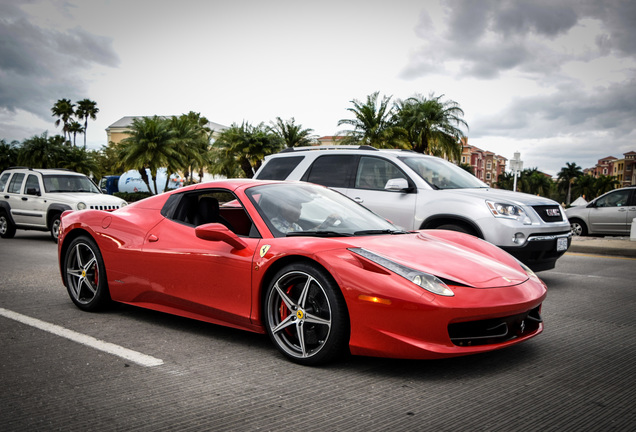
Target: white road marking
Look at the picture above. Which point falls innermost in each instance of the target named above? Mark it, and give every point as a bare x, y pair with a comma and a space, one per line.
125, 353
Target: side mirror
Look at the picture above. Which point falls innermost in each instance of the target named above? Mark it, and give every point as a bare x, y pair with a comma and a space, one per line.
397, 185
33, 191
219, 232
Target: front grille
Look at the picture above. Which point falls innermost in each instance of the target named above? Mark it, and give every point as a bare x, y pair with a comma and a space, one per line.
104, 207
495, 330
549, 213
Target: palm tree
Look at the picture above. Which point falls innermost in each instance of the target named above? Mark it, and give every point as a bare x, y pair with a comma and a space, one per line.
86, 109
191, 141
566, 177
78, 160
292, 134
148, 146
244, 146
537, 183
41, 151
372, 123
431, 125
8, 154
63, 109
74, 128
585, 186
505, 181
605, 184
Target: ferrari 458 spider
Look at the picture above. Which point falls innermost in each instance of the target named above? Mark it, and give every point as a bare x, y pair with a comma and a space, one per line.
319, 273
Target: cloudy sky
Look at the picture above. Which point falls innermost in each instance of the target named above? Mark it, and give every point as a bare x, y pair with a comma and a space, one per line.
552, 79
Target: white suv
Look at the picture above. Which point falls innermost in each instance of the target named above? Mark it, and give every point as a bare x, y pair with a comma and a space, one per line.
34, 199
417, 191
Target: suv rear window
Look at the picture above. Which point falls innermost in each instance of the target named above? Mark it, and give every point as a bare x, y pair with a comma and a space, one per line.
3, 180
332, 170
279, 168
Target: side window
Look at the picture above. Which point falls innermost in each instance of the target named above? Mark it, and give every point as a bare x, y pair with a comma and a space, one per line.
279, 168
3, 180
374, 173
15, 183
614, 199
210, 206
32, 186
332, 171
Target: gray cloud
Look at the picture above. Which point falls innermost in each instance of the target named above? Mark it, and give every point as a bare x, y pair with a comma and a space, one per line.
489, 37
39, 66
569, 110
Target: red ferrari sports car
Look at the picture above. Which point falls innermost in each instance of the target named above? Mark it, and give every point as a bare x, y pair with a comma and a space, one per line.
319, 273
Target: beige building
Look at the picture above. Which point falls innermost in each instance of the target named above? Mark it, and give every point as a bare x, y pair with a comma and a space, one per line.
121, 128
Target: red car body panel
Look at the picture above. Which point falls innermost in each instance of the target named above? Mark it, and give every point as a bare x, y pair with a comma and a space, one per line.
157, 263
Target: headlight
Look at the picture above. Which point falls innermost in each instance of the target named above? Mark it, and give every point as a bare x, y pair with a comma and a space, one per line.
81, 206
508, 211
527, 269
427, 281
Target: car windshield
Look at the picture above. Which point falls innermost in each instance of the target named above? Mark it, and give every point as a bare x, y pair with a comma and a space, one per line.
291, 209
55, 183
441, 174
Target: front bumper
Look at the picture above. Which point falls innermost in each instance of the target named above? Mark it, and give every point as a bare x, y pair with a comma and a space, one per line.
541, 251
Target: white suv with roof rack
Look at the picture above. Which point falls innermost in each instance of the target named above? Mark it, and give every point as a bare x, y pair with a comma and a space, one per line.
34, 199
417, 191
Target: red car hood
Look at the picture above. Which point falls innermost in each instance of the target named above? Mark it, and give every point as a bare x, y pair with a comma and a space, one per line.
454, 260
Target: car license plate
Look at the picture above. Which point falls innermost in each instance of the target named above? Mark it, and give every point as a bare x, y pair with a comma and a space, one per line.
562, 244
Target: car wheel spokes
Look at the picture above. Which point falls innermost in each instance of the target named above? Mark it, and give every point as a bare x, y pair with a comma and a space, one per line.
299, 314
83, 273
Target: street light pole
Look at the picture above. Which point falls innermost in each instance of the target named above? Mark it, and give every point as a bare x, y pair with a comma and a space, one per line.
516, 164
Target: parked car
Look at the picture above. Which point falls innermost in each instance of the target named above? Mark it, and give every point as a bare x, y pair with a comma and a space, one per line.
609, 214
319, 273
34, 199
417, 191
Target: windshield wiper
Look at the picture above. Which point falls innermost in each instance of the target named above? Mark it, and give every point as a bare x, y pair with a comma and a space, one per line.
317, 234
379, 231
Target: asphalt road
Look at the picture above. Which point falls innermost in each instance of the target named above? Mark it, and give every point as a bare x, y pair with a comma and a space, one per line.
577, 375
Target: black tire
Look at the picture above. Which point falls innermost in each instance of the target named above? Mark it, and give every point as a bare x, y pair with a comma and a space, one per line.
578, 227
55, 227
85, 275
7, 229
305, 315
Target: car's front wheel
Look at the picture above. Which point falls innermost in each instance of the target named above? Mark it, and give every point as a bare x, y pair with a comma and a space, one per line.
86, 275
7, 229
305, 315
55, 227
578, 228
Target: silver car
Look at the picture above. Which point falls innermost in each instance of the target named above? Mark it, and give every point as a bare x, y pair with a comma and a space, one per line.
609, 214
417, 191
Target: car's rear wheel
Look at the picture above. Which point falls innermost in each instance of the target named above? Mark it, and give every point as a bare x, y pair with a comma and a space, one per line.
7, 229
578, 227
305, 315
86, 275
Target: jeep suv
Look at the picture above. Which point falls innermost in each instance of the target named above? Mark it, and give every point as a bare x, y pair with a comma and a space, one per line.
417, 191
34, 199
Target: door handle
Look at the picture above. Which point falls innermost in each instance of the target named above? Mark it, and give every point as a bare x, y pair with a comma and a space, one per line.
25, 199
358, 200
153, 238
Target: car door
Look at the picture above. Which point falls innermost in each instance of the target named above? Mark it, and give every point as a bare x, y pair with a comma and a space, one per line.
13, 196
209, 278
369, 189
33, 206
611, 212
